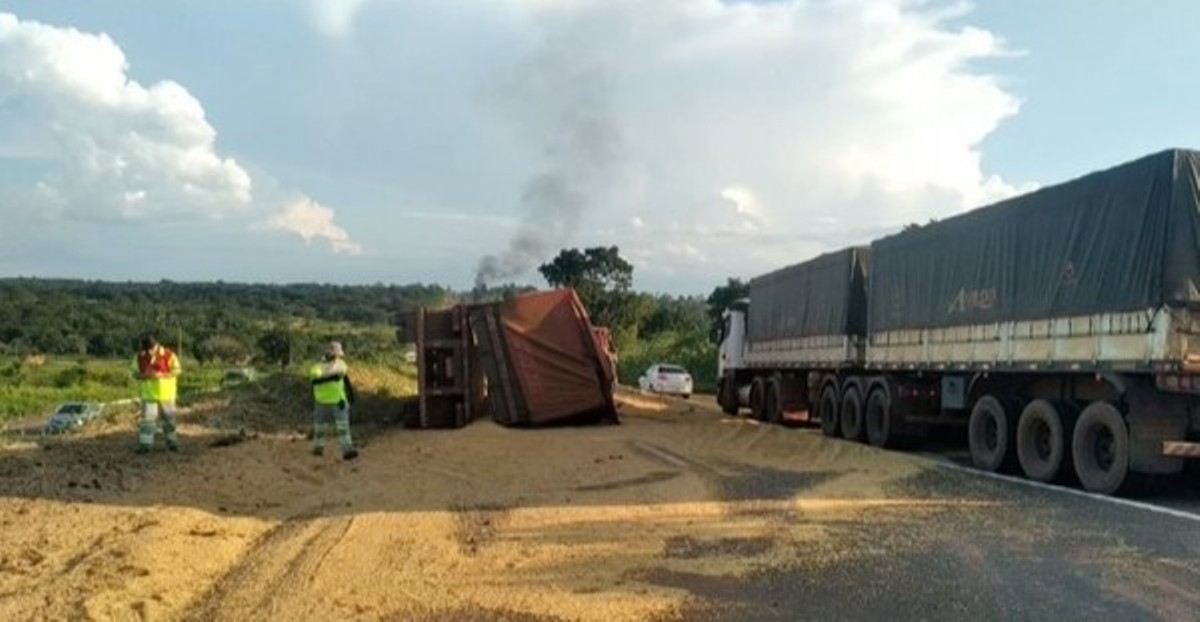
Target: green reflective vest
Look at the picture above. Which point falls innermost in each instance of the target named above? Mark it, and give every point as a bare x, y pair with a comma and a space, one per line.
156, 371
329, 386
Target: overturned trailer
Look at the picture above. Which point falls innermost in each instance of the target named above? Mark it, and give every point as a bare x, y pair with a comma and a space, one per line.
532, 360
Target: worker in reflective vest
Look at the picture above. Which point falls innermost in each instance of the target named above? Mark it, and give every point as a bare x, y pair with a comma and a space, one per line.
333, 395
156, 369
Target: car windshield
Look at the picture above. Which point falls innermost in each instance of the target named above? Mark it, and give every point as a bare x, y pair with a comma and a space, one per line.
71, 409
671, 369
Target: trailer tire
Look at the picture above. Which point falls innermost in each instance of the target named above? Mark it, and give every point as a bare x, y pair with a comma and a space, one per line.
1043, 447
991, 434
880, 420
728, 397
772, 407
827, 411
757, 393
852, 415
1100, 448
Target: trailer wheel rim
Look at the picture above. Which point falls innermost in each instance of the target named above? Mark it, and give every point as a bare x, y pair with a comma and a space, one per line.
1043, 440
991, 434
1102, 443
828, 412
877, 420
874, 417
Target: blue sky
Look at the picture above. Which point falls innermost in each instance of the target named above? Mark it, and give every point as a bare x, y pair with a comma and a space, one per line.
357, 141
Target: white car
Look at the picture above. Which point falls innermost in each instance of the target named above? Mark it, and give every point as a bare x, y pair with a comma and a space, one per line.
669, 379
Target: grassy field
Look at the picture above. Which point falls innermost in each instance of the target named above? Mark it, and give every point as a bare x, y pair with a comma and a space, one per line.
33, 386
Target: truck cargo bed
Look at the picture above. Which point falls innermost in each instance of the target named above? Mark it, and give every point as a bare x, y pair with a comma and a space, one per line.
1099, 272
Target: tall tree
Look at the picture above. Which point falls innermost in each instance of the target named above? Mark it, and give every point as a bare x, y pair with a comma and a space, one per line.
723, 296
601, 277
276, 347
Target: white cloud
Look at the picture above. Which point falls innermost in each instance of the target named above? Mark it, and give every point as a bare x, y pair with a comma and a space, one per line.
309, 220
335, 18
745, 207
110, 148
848, 119
115, 148
840, 121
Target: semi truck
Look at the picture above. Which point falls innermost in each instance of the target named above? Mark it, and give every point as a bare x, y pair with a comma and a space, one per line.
1059, 330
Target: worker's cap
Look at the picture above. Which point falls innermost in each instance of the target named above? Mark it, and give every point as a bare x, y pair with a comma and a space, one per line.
334, 349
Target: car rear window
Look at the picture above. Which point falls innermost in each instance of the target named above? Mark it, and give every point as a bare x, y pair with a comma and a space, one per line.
671, 369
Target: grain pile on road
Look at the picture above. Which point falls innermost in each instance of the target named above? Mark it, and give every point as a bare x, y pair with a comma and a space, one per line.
667, 516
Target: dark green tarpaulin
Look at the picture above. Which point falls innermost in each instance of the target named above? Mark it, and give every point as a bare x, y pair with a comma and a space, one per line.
1122, 239
822, 296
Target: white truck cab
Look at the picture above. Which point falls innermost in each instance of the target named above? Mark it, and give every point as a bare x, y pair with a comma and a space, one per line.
733, 337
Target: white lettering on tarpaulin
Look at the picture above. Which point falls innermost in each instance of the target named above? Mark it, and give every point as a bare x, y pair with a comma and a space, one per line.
973, 300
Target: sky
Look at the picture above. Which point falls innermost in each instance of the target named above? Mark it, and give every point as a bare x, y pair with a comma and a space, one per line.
399, 141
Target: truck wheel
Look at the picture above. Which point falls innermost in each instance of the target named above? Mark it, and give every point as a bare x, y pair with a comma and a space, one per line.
990, 434
852, 415
773, 404
757, 395
827, 410
879, 419
728, 397
1100, 446
1042, 445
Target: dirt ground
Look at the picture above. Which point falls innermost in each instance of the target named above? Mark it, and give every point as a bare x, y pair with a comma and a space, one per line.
626, 522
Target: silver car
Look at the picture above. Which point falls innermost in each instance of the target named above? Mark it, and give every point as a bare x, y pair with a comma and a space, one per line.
71, 415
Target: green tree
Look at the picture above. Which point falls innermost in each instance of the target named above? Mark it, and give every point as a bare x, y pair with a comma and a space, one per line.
222, 348
602, 279
596, 269
276, 347
723, 296
675, 314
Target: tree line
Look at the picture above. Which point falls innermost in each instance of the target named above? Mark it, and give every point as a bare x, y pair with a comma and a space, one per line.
224, 321
278, 324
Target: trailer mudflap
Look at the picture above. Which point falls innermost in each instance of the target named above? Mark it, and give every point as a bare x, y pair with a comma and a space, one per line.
1154, 420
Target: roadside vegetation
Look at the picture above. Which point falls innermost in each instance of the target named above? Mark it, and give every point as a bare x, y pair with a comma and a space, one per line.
66, 340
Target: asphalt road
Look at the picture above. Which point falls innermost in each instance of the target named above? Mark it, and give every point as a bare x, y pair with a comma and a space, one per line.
1030, 552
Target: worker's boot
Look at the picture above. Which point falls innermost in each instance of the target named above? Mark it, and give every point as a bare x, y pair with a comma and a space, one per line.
168, 426
342, 423
145, 436
318, 437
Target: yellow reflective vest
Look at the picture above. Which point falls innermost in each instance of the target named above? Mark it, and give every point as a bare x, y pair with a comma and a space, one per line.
329, 381
156, 371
